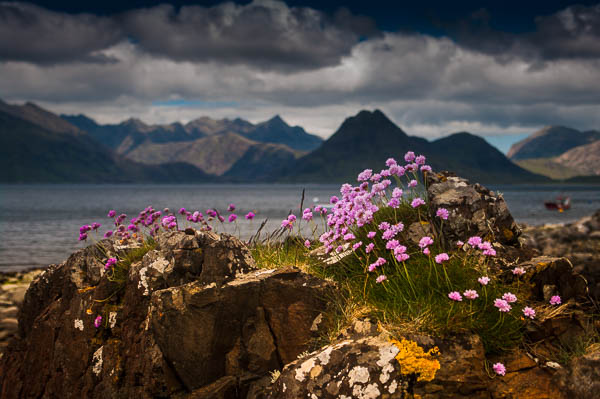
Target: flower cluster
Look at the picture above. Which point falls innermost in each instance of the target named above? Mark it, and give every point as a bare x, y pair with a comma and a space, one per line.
485, 246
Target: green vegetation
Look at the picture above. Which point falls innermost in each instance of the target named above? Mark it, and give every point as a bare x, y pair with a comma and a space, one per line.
547, 167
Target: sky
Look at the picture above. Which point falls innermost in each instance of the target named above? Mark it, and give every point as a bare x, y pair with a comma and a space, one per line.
498, 69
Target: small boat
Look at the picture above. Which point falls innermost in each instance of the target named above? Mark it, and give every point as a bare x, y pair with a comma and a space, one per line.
561, 204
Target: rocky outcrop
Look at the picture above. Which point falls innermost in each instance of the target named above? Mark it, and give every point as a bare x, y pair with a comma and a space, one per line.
474, 210
578, 241
193, 315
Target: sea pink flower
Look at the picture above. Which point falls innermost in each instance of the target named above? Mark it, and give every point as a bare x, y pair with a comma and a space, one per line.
474, 241
420, 160
365, 175
401, 257
502, 305
519, 271
471, 294
426, 168
232, 218
417, 202
412, 183
82, 236
339, 249
499, 369
425, 241
529, 312
383, 226
483, 280
455, 296
108, 234
441, 258
371, 234
426, 251
442, 213
397, 193
390, 162
459, 243
381, 278
389, 234
409, 156
112, 213
555, 300
250, 216
392, 244
98, 321
307, 243
349, 237
509, 297
357, 245
110, 263
369, 247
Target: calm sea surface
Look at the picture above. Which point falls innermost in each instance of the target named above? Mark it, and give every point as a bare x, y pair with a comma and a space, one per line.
39, 224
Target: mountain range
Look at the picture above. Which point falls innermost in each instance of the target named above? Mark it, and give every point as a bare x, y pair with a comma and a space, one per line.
559, 152
75, 148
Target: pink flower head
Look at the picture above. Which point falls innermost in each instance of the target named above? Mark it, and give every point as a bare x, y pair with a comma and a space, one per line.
108, 234
397, 193
383, 226
357, 245
399, 249
483, 280
426, 168
442, 213
499, 369
409, 156
339, 249
389, 234
401, 257
307, 243
369, 247
455, 296
307, 214
232, 218
441, 258
333, 199
392, 244
82, 236
250, 215
365, 175
417, 202
110, 263
412, 183
112, 213
286, 224
471, 294
459, 243
390, 162
394, 203
426, 251
490, 252
420, 160
529, 312
474, 241
182, 211
502, 305
231, 207
291, 218
349, 237
425, 241
98, 321
509, 297
519, 271
371, 234
381, 279
555, 300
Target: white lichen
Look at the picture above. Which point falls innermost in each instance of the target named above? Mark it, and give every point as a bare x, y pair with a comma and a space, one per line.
97, 361
324, 356
358, 374
385, 373
371, 391
268, 271
316, 322
393, 386
387, 354
79, 324
304, 369
112, 319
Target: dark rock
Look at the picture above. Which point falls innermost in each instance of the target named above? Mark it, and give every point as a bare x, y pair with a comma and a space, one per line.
582, 378
474, 210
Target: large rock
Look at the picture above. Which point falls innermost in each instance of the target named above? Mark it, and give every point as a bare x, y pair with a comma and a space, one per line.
169, 331
474, 210
582, 378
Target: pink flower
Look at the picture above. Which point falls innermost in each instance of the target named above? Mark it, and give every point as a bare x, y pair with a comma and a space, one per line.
381, 279
232, 218
112, 213
409, 156
425, 241
426, 168
509, 297
110, 263
380, 261
471, 294
441, 258
499, 369
390, 162
357, 245
502, 305
401, 257
98, 322
459, 243
383, 226
412, 183
529, 312
455, 296
519, 271
426, 251
392, 244
371, 234
250, 216
365, 175
349, 237
389, 234
420, 160
307, 243
231, 207
417, 202
369, 247
474, 241
555, 300
442, 213
483, 280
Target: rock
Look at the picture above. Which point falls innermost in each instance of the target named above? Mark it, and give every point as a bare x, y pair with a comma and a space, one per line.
474, 210
168, 331
554, 276
582, 378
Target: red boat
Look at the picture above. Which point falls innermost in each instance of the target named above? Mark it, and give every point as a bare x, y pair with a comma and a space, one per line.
561, 204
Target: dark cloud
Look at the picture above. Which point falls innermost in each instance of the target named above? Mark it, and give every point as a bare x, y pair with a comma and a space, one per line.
33, 34
264, 34
572, 33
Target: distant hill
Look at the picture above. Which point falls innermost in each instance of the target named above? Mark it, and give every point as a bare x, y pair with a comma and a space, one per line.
548, 167
369, 138
275, 130
584, 158
550, 141
51, 151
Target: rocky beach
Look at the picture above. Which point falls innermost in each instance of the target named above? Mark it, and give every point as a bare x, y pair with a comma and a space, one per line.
194, 317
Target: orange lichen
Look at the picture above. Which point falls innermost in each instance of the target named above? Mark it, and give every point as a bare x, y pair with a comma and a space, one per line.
414, 360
